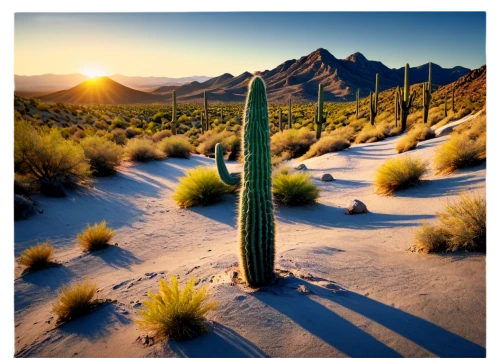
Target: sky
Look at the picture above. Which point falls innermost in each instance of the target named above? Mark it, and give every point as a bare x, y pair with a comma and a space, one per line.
210, 44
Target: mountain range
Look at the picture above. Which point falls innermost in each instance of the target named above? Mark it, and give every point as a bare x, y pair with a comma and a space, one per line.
298, 79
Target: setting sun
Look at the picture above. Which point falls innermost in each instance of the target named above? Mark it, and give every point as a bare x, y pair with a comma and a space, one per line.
92, 71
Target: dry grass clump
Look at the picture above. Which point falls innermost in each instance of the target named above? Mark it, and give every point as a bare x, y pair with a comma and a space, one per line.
399, 173
174, 313
418, 133
406, 143
295, 142
142, 150
460, 151
158, 136
209, 139
327, 144
175, 147
95, 237
200, 186
74, 301
462, 226
369, 134
294, 188
37, 257
103, 154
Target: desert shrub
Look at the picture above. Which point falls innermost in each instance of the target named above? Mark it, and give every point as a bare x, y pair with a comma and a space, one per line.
232, 145
175, 147
174, 313
327, 144
465, 221
158, 136
209, 139
117, 122
23, 207
296, 142
119, 136
369, 134
406, 143
46, 156
95, 237
103, 154
399, 173
74, 301
430, 238
200, 186
459, 152
142, 150
36, 257
294, 189
42, 107
131, 132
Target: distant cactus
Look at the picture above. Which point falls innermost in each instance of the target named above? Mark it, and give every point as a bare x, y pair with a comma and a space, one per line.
357, 103
406, 100
453, 99
397, 105
256, 216
174, 114
221, 116
374, 102
290, 113
318, 117
280, 120
202, 129
445, 101
427, 94
205, 102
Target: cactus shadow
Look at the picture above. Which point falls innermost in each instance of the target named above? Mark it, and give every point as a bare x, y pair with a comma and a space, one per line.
220, 341
345, 336
326, 216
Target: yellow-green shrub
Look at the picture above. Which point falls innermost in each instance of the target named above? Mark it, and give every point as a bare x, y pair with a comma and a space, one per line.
175, 147
369, 134
74, 301
103, 154
36, 257
327, 144
296, 142
142, 150
459, 152
399, 173
95, 237
294, 189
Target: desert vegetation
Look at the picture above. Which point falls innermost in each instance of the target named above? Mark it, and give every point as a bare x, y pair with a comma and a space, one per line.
104, 155
175, 147
37, 257
418, 133
142, 150
399, 173
95, 237
294, 188
74, 301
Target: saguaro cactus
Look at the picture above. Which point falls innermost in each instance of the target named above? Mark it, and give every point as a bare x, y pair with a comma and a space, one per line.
280, 120
374, 102
205, 103
357, 103
318, 117
453, 99
256, 216
290, 113
445, 102
174, 114
427, 94
406, 100
397, 105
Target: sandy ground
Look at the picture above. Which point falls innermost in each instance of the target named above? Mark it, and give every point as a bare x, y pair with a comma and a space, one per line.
370, 296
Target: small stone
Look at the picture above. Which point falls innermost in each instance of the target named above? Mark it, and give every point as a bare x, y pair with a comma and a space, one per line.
326, 177
303, 289
356, 206
132, 302
301, 167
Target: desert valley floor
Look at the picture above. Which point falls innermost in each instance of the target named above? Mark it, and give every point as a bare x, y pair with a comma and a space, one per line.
369, 295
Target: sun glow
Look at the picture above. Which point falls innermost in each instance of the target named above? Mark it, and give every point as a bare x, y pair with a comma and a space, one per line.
92, 71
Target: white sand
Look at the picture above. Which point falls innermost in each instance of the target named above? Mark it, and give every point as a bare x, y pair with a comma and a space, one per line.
394, 302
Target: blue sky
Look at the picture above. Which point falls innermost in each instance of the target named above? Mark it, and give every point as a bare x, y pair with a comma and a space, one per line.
184, 44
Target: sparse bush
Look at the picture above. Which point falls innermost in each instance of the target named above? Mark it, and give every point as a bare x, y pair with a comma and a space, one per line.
232, 145
37, 257
459, 152
431, 238
95, 237
209, 139
326, 144
399, 173
44, 155
176, 314
294, 189
132, 132
406, 143
296, 142
103, 154
158, 136
175, 147
74, 301
369, 134
23, 207
418, 133
142, 150
200, 186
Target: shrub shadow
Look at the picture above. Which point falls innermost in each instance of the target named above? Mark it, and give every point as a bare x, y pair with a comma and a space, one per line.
118, 257
224, 211
220, 341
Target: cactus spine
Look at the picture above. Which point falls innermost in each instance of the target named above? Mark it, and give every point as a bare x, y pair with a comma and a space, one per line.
174, 114
427, 94
290, 113
318, 116
374, 102
207, 125
256, 216
445, 101
357, 104
406, 99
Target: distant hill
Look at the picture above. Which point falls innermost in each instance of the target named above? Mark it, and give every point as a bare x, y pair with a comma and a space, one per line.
102, 90
46, 83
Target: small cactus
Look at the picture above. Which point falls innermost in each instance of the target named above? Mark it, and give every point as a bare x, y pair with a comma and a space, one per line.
397, 105
406, 99
374, 101
427, 94
256, 215
318, 115
453, 99
174, 114
280, 120
445, 102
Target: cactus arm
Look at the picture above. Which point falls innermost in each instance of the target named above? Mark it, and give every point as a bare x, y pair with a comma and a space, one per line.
224, 175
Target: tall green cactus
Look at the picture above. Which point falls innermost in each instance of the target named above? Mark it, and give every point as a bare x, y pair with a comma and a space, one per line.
256, 215
290, 113
357, 104
427, 94
280, 120
406, 99
374, 102
318, 117
174, 114
205, 103
397, 105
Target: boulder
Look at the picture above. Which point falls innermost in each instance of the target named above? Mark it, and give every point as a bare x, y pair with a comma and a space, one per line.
356, 206
301, 167
326, 177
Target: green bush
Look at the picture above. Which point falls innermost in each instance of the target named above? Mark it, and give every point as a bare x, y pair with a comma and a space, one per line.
175, 147
399, 173
104, 155
296, 142
327, 144
158, 136
142, 150
459, 152
294, 189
